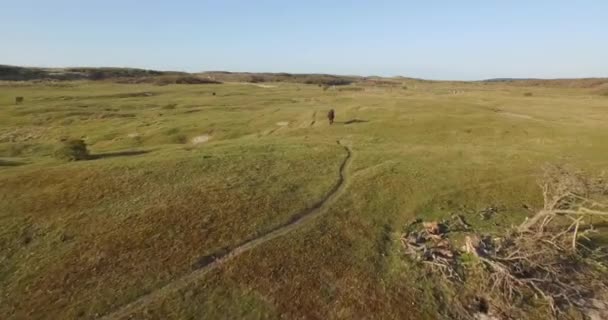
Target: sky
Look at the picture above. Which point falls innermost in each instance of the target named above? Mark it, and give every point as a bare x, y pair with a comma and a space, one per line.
432, 39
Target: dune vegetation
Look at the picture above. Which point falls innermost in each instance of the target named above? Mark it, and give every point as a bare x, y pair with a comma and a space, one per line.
230, 199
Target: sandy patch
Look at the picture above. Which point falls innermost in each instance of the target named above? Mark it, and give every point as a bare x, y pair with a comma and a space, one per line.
133, 135
282, 123
200, 139
259, 85
597, 310
483, 316
516, 115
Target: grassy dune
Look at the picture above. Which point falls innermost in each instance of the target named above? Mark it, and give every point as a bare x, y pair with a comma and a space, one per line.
182, 172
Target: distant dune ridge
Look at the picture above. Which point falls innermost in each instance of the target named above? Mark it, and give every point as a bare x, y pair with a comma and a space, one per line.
16, 73
135, 75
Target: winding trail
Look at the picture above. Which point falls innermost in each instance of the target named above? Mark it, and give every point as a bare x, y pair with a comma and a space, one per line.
208, 263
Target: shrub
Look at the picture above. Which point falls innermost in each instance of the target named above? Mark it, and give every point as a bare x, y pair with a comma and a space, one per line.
138, 140
327, 80
186, 79
170, 106
528, 94
97, 75
172, 131
8, 163
257, 79
179, 138
72, 150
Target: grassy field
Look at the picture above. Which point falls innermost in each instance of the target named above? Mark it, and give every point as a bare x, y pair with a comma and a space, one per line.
180, 173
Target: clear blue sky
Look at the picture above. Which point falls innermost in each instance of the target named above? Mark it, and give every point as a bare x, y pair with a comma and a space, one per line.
429, 39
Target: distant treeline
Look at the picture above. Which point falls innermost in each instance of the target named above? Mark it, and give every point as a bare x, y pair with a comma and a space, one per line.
14, 73
558, 83
132, 75
318, 79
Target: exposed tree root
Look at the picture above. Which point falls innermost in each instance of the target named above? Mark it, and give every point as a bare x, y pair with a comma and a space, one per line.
548, 258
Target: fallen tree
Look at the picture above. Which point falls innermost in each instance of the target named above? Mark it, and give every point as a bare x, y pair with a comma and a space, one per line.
548, 258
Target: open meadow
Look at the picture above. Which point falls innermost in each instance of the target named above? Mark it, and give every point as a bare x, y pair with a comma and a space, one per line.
239, 200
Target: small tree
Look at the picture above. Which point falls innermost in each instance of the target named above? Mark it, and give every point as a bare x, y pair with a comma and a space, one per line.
72, 150
257, 79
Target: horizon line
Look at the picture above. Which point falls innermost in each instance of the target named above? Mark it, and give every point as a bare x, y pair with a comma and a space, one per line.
497, 78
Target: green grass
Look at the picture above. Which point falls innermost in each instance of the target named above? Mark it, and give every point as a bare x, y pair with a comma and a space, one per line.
83, 238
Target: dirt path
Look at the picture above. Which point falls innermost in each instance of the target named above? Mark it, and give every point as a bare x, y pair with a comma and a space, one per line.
271, 131
213, 261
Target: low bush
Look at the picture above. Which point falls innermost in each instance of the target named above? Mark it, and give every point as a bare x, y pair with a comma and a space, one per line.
257, 79
171, 131
170, 106
72, 150
171, 79
327, 80
179, 138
